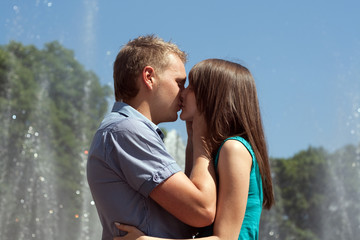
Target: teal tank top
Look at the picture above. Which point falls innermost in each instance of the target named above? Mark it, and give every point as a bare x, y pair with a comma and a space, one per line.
251, 222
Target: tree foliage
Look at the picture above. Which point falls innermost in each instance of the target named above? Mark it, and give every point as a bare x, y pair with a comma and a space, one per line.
316, 196
50, 106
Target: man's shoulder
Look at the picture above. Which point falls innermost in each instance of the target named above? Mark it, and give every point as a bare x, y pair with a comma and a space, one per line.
127, 127
130, 124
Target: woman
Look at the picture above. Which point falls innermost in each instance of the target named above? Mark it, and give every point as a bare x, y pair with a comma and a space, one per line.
223, 95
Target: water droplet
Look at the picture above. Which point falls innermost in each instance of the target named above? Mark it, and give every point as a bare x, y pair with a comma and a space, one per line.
92, 203
42, 178
77, 192
22, 201
333, 208
16, 9
36, 134
14, 116
51, 211
35, 155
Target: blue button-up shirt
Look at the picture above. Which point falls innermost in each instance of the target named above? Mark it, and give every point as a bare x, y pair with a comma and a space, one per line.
127, 160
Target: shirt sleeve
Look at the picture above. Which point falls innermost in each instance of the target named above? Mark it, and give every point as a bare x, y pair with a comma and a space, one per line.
138, 155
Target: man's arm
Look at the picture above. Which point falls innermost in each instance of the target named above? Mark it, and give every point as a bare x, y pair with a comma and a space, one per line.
191, 199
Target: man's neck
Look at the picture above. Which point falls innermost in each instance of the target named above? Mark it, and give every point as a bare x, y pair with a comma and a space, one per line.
141, 106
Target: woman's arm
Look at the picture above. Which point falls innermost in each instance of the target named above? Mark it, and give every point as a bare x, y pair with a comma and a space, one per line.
234, 177
189, 149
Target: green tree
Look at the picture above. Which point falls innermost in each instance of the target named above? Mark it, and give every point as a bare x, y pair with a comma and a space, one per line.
302, 180
316, 196
276, 224
50, 106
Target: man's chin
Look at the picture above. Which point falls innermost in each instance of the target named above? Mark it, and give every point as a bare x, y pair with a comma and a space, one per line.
173, 119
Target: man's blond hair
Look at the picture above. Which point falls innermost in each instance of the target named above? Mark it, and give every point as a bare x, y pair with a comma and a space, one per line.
138, 53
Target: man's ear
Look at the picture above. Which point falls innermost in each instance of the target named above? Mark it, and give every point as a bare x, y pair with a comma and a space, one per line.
148, 75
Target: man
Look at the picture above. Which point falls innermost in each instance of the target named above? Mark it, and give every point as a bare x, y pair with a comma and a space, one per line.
132, 177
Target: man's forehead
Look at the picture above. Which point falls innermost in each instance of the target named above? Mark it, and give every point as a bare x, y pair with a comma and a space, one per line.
176, 66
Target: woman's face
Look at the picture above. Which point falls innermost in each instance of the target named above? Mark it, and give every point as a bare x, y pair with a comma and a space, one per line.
188, 104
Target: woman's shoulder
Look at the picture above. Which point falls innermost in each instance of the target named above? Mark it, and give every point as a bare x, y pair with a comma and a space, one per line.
233, 148
234, 161
237, 143
233, 144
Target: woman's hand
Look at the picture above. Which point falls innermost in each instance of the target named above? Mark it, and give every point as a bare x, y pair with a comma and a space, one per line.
189, 149
199, 131
199, 125
196, 130
132, 232
189, 129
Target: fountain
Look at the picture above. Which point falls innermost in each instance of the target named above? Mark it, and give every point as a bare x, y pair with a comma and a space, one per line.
45, 134
175, 146
44, 142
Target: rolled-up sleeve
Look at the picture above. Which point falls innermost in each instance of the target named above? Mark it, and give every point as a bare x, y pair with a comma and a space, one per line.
137, 154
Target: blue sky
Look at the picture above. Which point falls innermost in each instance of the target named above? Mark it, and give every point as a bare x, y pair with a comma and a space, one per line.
304, 55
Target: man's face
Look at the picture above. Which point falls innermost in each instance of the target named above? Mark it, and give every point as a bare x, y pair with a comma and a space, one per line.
167, 96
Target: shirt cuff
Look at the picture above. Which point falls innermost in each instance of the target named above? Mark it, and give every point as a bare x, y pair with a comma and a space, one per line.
158, 177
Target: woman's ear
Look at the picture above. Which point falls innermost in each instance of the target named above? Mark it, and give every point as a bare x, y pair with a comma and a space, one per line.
148, 75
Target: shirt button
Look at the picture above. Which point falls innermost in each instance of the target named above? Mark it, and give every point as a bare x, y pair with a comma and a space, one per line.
156, 178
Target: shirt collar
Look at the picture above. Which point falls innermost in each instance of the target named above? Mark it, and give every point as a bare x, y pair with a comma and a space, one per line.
128, 111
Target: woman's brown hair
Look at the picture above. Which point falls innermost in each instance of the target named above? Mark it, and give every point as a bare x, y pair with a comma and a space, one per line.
226, 94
